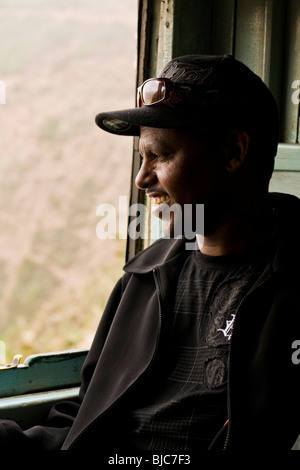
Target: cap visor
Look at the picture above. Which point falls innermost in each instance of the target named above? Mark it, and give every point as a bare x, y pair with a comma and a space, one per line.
129, 121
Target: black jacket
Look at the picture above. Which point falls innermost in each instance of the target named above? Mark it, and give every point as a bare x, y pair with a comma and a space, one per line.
130, 350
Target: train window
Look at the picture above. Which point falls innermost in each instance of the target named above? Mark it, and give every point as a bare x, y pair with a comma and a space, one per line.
65, 63
62, 61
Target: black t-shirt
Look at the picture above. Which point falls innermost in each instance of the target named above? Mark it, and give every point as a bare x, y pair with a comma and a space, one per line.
189, 406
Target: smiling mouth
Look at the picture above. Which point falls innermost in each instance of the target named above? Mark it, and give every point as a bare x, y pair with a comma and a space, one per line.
155, 201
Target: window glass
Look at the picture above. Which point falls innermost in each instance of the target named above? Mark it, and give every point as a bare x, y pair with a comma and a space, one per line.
62, 62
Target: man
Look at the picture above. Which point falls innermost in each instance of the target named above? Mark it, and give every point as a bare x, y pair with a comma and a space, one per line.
194, 350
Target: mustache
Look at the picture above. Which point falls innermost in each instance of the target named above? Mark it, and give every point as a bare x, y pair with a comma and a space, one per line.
155, 190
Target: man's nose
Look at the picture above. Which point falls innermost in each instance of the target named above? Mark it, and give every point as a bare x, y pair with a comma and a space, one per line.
146, 176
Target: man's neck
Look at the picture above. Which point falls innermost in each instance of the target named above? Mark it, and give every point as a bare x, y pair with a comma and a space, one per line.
240, 231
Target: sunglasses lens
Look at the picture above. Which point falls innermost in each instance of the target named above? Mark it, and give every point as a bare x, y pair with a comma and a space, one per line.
153, 91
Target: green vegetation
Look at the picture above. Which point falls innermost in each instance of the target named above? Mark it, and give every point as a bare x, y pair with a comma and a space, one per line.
33, 286
62, 62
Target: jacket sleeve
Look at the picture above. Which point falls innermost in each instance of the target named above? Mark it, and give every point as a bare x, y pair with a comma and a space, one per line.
52, 434
101, 335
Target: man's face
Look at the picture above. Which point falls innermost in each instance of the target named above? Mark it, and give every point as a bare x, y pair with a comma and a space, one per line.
178, 168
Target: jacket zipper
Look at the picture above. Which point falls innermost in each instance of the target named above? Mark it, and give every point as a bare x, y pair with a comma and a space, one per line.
228, 422
155, 276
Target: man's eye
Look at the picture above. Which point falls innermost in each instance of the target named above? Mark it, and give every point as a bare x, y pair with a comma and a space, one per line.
149, 156
164, 157
154, 155
161, 156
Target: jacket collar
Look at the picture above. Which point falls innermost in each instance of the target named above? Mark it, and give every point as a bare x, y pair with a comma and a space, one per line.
160, 253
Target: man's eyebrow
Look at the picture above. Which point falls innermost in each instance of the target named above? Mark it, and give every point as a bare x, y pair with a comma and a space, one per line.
153, 148
143, 148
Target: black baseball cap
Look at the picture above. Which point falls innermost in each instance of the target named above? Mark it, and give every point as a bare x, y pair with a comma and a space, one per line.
213, 92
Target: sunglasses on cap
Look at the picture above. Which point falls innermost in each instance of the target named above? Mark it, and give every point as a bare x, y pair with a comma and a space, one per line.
158, 90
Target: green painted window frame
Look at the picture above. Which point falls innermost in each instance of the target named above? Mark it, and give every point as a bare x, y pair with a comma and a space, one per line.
288, 157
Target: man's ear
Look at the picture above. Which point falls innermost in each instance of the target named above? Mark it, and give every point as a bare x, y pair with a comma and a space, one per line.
236, 149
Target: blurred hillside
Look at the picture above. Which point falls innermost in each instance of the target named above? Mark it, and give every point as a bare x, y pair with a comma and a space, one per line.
63, 61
